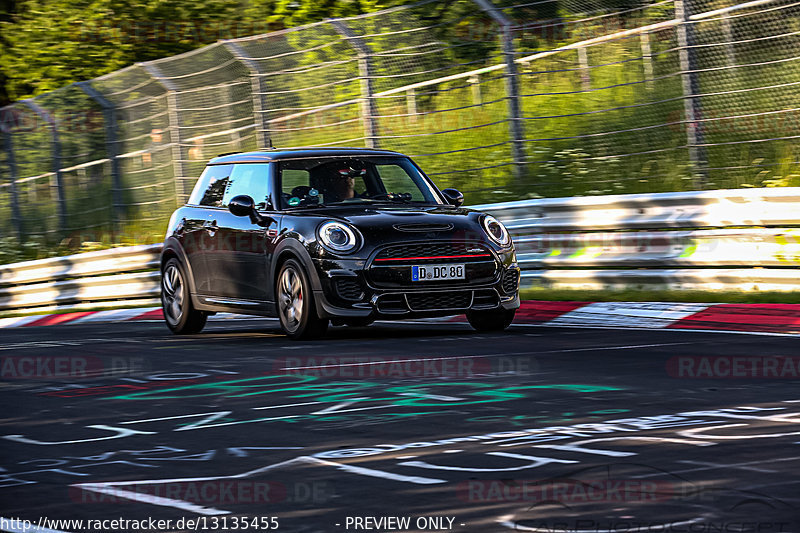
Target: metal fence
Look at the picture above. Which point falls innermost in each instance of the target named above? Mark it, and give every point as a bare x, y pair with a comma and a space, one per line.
545, 98
735, 240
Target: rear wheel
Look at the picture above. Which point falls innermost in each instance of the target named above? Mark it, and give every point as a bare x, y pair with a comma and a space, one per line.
181, 317
494, 320
295, 300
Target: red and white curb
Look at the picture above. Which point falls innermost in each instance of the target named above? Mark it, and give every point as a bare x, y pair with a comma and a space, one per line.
751, 318
116, 315
746, 318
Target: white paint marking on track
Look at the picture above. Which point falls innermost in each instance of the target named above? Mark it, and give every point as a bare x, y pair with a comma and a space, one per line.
375, 473
30, 528
111, 488
285, 405
627, 347
690, 433
201, 425
431, 396
338, 406
116, 488
161, 419
737, 467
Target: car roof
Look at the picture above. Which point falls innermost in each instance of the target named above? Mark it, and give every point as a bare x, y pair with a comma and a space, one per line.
265, 156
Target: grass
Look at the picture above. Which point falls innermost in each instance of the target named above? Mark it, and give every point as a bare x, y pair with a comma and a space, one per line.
638, 295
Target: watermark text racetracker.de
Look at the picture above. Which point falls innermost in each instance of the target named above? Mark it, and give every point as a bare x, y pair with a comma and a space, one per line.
209, 492
734, 367
566, 491
201, 523
67, 366
402, 367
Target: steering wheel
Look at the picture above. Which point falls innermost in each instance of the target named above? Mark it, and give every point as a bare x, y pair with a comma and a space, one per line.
301, 191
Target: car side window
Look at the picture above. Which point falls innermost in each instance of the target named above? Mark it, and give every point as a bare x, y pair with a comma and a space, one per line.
251, 179
211, 185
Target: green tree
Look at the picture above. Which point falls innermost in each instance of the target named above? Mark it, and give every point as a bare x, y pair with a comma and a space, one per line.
297, 12
47, 44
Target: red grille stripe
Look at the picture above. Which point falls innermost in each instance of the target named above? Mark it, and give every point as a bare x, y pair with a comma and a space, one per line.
432, 257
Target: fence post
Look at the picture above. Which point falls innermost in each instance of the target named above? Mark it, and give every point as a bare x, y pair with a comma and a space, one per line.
727, 30
16, 217
263, 136
56, 142
178, 162
411, 104
512, 88
475, 88
583, 61
369, 111
110, 123
647, 59
692, 108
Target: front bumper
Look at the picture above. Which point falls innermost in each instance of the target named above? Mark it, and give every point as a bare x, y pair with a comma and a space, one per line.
349, 290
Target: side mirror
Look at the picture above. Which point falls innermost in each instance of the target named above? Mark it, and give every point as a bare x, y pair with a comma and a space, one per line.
244, 206
454, 197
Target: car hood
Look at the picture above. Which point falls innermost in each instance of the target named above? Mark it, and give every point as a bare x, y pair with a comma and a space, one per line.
408, 222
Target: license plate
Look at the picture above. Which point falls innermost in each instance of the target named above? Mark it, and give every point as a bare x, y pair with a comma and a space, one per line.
436, 272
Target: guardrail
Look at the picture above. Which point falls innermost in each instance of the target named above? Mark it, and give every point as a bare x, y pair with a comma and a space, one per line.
732, 239
118, 277
738, 239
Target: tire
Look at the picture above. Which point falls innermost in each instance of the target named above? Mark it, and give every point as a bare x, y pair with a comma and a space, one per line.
176, 301
295, 303
495, 320
358, 322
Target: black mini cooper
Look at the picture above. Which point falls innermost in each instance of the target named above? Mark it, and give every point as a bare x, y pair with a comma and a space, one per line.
344, 235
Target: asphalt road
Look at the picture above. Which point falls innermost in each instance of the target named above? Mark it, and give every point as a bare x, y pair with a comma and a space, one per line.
536, 429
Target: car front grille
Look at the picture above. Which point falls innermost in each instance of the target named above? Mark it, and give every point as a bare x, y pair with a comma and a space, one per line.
392, 265
439, 251
430, 301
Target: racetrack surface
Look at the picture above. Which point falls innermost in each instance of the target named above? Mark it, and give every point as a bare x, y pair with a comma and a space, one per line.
534, 429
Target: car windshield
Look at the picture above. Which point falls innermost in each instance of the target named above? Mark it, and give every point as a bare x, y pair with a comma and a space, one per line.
313, 182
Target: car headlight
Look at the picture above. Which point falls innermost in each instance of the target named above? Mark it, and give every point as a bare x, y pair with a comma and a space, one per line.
337, 237
496, 231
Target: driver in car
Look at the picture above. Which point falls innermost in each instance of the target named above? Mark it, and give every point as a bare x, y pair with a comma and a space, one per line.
340, 183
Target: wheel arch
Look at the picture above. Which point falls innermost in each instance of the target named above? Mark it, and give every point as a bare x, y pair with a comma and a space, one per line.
291, 248
173, 250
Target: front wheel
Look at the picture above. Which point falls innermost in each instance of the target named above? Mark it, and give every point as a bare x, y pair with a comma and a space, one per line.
295, 301
494, 320
181, 317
